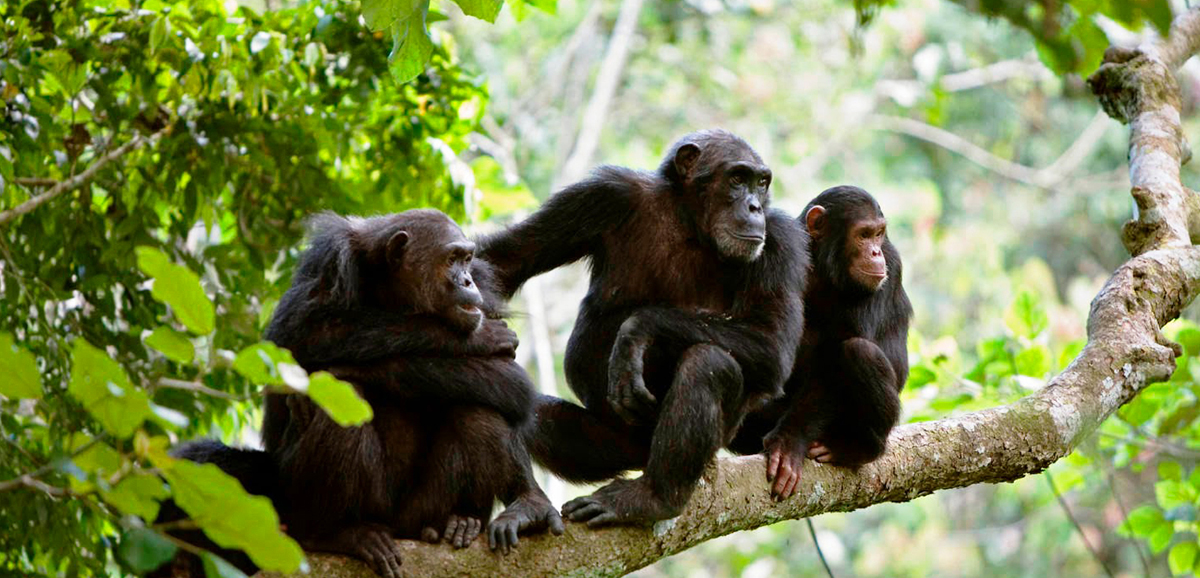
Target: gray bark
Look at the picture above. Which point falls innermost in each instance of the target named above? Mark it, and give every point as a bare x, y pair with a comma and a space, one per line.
1125, 352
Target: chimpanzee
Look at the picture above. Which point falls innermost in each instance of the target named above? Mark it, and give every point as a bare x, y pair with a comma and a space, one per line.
450, 402
843, 397
690, 319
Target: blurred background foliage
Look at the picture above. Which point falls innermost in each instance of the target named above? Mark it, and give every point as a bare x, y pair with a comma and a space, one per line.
131, 307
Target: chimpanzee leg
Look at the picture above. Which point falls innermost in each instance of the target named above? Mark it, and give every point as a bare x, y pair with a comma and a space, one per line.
476, 457
336, 490
749, 437
701, 406
585, 445
860, 435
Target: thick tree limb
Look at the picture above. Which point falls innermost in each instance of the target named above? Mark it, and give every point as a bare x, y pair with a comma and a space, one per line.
1125, 352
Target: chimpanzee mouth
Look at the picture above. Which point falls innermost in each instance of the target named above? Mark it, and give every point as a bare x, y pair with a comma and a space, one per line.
471, 309
750, 238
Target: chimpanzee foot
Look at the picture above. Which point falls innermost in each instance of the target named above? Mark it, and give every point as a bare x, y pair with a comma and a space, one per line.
461, 530
785, 459
371, 543
819, 453
530, 512
620, 502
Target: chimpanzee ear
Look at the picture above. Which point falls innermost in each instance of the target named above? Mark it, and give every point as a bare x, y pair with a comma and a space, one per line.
685, 159
395, 248
814, 220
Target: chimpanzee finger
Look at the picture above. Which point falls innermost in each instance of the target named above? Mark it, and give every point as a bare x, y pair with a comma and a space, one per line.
451, 528
513, 540
556, 523
430, 535
476, 526
773, 461
602, 520
791, 487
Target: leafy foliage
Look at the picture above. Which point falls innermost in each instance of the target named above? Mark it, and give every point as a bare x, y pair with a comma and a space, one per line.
130, 306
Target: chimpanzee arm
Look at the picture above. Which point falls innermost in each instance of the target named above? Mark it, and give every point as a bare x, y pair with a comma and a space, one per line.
495, 382
367, 335
567, 227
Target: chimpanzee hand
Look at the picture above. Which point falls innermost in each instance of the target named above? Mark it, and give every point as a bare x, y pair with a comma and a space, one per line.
494, 338
785, 458
627, 393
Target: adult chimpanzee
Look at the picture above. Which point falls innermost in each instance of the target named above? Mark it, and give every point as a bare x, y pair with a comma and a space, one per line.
691, 318
450, 402
843, 397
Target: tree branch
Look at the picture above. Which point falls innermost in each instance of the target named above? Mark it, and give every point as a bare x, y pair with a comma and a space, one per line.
1125, 352
76, 181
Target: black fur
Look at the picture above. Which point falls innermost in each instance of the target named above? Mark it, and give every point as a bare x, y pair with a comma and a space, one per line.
370, 302
686, 324
853, 358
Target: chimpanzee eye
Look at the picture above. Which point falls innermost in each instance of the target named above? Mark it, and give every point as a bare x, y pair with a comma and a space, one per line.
764, 182
737, 179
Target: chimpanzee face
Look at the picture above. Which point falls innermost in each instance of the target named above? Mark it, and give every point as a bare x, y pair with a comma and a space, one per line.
431, 266
728, 187
864, 248
737, 210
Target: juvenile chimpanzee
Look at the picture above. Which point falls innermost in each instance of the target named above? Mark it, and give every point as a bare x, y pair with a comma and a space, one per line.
450, 403
843, 397
691, 318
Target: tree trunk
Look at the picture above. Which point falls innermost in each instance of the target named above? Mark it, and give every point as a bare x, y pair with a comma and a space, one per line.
1125, 352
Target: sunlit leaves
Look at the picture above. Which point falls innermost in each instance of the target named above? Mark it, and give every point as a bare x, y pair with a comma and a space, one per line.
103, 389
228, 515
1026, 317
411, 47
19, 368
482, 9
1182, 558
178, 287
267, 364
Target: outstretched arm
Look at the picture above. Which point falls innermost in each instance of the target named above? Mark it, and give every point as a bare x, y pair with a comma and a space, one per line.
567, 228
495, 382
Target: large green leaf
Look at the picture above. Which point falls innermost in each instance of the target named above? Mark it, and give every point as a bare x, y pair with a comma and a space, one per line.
173, 344
339, 399
411, 47
482, 9
382, 14
137, 495
1181, 558
144, 549
232, 518
19, 368
217, 567
103, 389
178, 287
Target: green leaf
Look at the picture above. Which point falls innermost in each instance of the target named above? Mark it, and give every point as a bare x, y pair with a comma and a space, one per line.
19, 367
1025, 316
144, 549
138, 495
382, 14
232, 518
1172, 494
159, 30
1181, 558
1160, 538
411, 48
216, 567
482, 9
1143, 521
339, 399
172, 344
265, 363
178, 287
1168, 470
1034, 362
920, 375
1069, 352
103, 389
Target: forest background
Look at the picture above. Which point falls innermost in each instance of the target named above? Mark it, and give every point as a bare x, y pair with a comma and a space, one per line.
186, 142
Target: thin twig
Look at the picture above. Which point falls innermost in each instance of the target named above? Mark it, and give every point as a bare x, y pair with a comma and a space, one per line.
1111, 476
78, 180
813, 532
1066, 508
195, 386
1167, 447
29, 479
